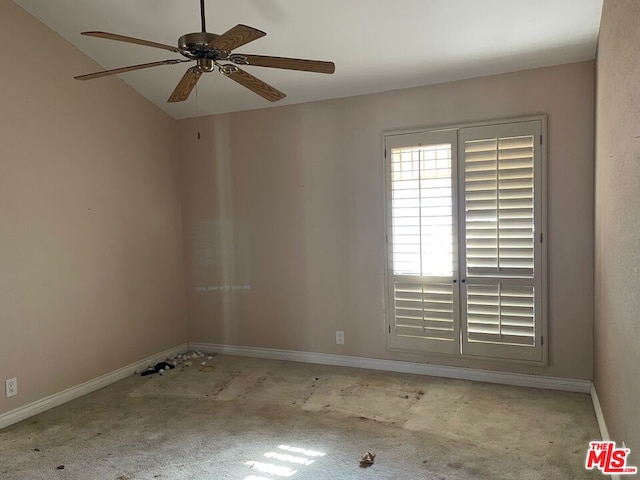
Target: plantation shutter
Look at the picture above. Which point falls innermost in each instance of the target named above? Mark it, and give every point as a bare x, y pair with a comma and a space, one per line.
422, 230
500, 240
465, 218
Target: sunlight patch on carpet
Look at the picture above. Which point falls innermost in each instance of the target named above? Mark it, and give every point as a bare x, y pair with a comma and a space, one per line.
304, 458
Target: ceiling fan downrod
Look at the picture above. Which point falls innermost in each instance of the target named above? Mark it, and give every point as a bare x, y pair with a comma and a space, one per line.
202, 19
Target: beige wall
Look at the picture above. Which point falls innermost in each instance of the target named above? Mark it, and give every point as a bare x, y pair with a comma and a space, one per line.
91, 274
617, 228
284, 215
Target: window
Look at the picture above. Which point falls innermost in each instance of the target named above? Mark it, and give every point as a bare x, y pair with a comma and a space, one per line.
465, 240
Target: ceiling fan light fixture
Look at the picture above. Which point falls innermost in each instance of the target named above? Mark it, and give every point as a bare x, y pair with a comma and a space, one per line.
206, 65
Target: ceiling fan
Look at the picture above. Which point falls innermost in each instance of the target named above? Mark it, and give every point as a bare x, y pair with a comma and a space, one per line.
208, 50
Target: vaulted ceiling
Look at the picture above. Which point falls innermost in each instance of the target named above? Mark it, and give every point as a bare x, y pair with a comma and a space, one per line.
377, 45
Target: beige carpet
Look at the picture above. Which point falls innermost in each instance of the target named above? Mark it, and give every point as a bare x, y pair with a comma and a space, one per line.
250, 419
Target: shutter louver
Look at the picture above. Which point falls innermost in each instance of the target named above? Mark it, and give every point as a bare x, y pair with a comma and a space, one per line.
501, 313
422, 210
499, 206
424, 310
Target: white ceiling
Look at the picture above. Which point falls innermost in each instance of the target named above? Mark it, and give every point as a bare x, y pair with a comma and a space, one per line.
377, 45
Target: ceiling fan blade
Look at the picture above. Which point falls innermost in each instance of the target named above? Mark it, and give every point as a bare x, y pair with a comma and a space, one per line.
116, 71
137, 41
185, 85
255, 85
235, 37
290, 63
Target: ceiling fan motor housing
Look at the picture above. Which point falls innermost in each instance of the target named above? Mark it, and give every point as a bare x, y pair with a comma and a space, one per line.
199, 46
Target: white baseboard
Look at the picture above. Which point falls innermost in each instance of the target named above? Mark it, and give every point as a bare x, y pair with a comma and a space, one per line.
521, 380
39, 406
604, 431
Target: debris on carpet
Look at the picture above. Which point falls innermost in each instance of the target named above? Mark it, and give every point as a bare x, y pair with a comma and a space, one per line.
157, 368
183, 359
367, 459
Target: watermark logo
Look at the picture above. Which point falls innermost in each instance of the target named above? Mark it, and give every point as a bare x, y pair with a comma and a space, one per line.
608, 459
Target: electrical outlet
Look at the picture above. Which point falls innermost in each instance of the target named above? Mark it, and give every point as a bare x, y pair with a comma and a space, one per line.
11, 386
339, 337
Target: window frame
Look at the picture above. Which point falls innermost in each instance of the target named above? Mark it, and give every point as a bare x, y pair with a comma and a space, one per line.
541, 240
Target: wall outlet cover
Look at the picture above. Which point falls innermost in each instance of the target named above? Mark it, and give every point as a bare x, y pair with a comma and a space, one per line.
11, 387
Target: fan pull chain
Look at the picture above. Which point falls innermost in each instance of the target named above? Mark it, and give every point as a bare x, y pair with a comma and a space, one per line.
197, 113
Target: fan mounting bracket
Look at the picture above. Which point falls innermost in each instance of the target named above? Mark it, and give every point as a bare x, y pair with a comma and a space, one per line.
238, 59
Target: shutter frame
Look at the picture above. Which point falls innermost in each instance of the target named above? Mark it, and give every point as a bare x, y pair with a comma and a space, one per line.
539, 237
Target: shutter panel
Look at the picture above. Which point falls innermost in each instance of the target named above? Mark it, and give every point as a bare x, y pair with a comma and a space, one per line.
423, 299
423, 309
498, 186
501, 311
